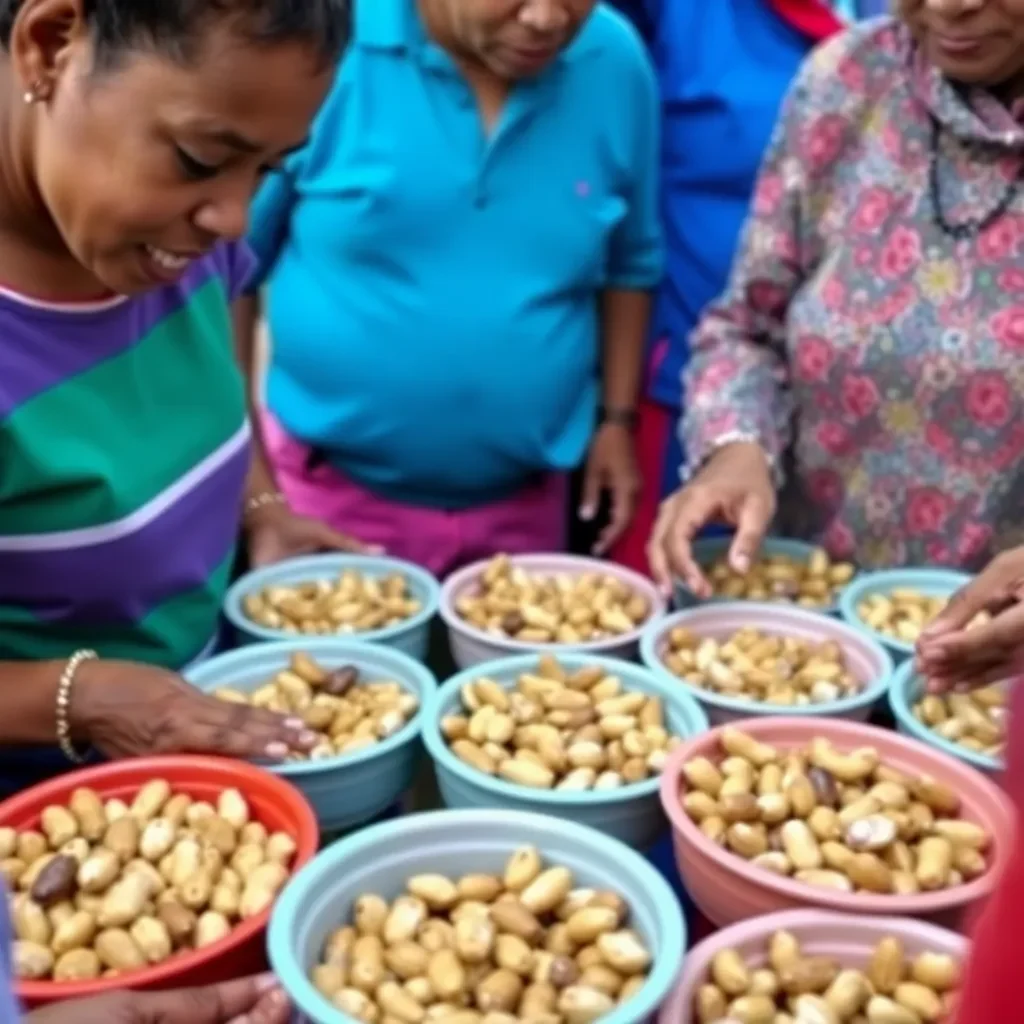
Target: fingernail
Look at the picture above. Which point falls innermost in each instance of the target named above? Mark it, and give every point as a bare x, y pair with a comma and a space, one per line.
265, 982
375, 549
742, 563
308, 738
294, 723
586, 513
276, 750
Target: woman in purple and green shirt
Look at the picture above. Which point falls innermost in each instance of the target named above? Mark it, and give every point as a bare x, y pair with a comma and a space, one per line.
134, 135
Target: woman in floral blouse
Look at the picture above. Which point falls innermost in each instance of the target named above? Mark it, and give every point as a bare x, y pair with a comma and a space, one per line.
861, 382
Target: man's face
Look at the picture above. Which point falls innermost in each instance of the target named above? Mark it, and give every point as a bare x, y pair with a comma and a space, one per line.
515, 38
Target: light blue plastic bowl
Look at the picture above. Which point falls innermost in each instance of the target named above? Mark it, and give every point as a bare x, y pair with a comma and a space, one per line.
380, 859
631, 813
350, 789
904, 691
411, 636
709, 549
934, 582
867, 659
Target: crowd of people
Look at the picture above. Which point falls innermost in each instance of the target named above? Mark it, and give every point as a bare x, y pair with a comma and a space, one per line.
747, 262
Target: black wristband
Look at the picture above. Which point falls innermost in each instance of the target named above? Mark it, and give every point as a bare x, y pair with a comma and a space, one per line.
620, 417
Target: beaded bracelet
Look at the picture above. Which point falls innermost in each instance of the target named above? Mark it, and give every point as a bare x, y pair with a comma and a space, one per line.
64, 687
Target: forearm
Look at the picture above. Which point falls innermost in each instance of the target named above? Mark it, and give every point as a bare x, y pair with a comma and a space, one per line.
28, 702
246, 314
625, 318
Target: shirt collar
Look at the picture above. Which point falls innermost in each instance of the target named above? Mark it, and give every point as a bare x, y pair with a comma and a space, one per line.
394, 25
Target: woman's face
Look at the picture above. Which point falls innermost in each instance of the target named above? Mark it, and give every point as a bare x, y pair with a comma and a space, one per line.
145, 166
977, 42
515, 38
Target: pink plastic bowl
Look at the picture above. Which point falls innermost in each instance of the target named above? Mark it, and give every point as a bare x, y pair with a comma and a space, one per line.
867, 659
728, 889
471, 646
850, 940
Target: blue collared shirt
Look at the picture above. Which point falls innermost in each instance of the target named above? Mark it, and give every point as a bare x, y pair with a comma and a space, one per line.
432, 290
724, 67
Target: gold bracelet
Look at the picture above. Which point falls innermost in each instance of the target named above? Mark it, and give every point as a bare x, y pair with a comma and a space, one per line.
67, 681
263, 499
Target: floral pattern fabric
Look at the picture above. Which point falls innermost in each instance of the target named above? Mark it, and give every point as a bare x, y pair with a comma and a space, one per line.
879, 361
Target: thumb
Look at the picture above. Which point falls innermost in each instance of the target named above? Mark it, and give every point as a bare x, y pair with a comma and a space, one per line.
970, 599
750, 530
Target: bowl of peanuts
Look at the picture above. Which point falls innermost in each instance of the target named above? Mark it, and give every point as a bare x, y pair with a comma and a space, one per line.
784, 571
895, 605
360, 597
774, 813
823, 967
362, 701
970, 725
475, 916
152, 873
523, 603
741, 659
573, 735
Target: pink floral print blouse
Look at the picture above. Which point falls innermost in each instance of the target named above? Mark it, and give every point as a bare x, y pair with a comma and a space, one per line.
878, 359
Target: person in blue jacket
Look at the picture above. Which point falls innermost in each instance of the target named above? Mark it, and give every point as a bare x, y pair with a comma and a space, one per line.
723, 68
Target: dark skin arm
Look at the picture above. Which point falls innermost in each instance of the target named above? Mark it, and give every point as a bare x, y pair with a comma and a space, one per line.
611, 465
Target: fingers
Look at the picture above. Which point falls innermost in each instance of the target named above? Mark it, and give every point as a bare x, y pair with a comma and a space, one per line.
994, 673
624, 492
214, 726
332, 540
751, 524
681, 518
590, 493
229, 1001
989, 587
977, 649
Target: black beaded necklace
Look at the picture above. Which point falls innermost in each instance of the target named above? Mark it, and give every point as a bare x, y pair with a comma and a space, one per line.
976, 225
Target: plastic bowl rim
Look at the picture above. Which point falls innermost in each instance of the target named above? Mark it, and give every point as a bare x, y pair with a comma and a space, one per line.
301, 769
871, 693
893, 579
857, 902
580, 564
899, 703
283, 923
103, 776
442, 756
243, 586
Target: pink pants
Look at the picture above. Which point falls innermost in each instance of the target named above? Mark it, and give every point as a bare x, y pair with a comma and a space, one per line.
439, 540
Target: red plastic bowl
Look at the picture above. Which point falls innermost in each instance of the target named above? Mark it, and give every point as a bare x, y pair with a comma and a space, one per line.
728, 889
273, 802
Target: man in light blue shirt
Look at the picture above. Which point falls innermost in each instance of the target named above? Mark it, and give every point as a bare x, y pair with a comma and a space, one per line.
469, 237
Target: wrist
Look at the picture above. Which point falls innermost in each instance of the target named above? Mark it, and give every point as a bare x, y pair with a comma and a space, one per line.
263, 507
624, 416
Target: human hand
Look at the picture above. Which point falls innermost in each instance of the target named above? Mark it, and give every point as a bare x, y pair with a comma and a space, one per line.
957, 652
125, 709
735, 486
611, 466
275, 533
256, 1000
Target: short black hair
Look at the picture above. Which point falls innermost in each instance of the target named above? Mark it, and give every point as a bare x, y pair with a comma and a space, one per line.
173, 27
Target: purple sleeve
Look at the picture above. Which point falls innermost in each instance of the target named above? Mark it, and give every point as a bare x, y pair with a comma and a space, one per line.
238, 265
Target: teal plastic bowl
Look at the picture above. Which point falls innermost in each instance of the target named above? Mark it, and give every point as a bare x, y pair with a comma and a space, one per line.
933, 582
412, 636
709, 549
380, 859
904, 691
350, 789
631, 813
868, 661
